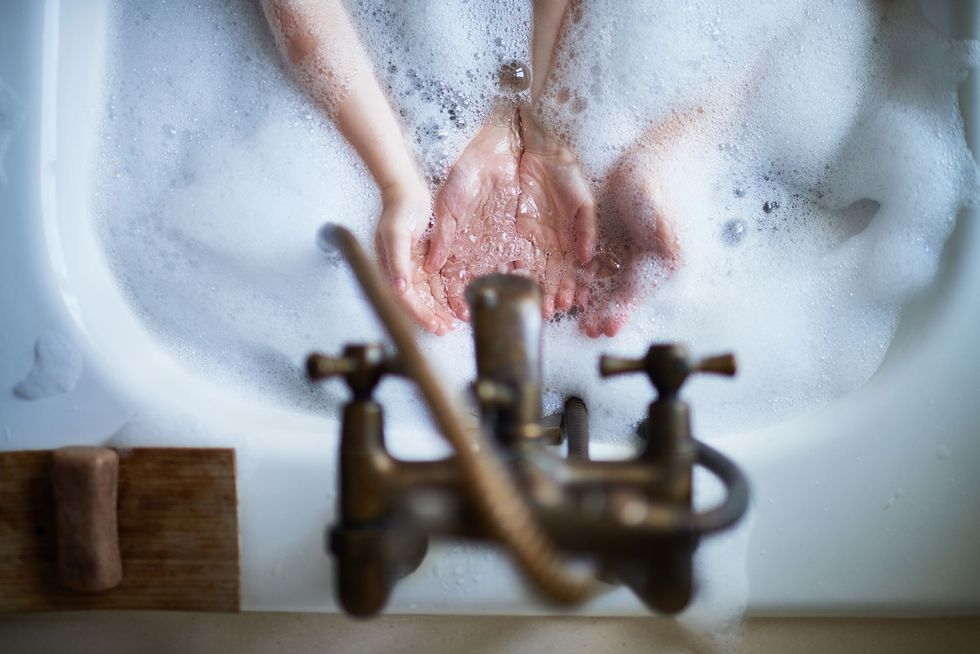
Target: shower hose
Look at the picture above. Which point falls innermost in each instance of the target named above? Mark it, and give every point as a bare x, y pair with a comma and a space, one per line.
487, 481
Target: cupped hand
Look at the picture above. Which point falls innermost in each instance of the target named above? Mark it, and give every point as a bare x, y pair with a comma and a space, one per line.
474, 232
406, 209
638, 245
556, 213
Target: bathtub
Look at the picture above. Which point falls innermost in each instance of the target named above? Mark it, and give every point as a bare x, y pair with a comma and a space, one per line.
870, 506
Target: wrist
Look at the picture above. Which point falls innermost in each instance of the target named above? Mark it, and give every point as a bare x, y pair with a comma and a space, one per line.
404, 188
504, 116
500, 134
396, 171
536, 139
405, 204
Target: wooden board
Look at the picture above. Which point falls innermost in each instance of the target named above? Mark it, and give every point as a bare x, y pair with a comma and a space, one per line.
178, 533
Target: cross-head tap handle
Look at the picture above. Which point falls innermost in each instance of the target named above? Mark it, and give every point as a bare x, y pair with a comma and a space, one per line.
361, 366
668, 365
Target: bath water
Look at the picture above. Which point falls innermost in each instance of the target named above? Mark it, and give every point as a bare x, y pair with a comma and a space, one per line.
811, 201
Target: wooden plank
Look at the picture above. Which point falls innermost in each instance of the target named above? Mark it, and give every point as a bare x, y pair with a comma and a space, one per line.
178, 533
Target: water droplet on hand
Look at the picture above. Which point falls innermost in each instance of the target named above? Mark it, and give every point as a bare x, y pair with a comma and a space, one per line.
608, 265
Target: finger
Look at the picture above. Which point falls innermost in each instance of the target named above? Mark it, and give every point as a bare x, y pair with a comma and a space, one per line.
666, 243
379, 247
586, 278
537, 265
455, 280
591, 323
523, 256
616, 310
613, 324
566, 291
396, 239
549, 285
585, 226
443, 232
437, 318
437, 287
421, 313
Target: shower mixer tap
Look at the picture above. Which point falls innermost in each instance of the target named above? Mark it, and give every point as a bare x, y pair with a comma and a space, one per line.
633, 519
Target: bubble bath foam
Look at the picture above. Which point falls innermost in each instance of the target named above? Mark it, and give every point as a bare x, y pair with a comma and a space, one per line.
812, 198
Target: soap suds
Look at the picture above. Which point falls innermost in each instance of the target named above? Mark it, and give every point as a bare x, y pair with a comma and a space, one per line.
317, 63
811, 202
11, 118
57, 368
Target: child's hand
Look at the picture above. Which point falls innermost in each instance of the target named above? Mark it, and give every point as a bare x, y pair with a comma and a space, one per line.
474, 231
556, 213
636, 233
405, 215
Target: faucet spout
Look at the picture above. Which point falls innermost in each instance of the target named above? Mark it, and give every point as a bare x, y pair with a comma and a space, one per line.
506, 312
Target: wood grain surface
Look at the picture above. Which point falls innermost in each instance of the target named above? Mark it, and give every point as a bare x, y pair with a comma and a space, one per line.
178, 533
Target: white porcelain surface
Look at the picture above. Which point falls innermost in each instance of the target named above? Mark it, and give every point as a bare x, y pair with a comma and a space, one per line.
871, 506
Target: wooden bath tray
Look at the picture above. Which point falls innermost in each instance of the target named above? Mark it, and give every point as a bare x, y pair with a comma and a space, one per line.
178, 533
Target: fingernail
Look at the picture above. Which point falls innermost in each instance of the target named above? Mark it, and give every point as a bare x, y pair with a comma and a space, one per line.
401, 285
465, 315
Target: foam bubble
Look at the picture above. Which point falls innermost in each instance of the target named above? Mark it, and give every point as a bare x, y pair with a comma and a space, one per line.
810, 200
58, 365
440, 64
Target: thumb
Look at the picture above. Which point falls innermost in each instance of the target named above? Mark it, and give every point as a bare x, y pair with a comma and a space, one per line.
396, 239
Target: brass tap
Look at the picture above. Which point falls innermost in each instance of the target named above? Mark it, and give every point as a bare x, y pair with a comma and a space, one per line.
506, 313
508, 482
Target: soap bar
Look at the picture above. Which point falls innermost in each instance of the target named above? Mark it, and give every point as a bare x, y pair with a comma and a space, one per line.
84, 483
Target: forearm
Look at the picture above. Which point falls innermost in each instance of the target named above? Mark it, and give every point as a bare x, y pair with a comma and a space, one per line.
548, 18
321, 46
369, 125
